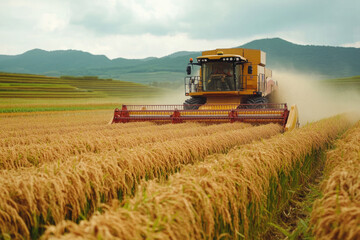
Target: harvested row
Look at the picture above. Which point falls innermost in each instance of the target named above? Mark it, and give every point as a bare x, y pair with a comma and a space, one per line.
30, 121
61, 150
74, 188
56, 123
226, 196
96, 131
45, 130
337, 214
22, 125
86, 133
49, 135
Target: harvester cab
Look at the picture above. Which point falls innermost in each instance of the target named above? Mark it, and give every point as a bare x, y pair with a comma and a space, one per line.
224, 85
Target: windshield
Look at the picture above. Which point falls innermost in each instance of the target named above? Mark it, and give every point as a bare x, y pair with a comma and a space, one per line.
218, 76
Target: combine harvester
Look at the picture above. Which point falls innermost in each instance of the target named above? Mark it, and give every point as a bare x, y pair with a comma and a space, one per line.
232, 85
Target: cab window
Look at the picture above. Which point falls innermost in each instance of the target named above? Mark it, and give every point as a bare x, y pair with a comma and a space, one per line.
218, 76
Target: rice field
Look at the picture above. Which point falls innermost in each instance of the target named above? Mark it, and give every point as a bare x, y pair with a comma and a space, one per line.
337, 214
67, 175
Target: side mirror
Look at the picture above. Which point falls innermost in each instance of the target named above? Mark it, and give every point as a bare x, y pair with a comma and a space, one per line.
250, 70
188, 70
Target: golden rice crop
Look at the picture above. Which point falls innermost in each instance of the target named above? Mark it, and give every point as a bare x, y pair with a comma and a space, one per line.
66, 145
31, 123
49, 134
35, 125
73, 188
337, 214
226, 196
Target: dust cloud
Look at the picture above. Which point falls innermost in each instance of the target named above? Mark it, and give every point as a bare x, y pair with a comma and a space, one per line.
172, 96
315, 100
177, 95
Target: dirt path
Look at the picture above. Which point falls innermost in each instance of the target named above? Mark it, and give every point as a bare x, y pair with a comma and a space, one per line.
293, 222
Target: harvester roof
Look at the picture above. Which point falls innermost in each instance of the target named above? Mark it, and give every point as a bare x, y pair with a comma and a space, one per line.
222, 57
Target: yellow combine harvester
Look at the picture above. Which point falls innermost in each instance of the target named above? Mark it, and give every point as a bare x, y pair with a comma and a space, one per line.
231, 85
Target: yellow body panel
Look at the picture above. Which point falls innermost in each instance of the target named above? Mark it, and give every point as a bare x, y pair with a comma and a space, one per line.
249, 83
218, 57
256, 57
224, 102
293, 119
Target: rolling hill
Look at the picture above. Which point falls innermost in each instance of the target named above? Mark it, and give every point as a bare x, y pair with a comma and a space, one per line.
330, 62
327, 61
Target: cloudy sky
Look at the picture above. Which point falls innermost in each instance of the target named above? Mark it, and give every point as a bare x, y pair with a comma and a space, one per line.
143, 28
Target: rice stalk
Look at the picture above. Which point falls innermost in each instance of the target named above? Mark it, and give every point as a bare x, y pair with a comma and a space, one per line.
63, 146
62, 190
226, 196
336, 215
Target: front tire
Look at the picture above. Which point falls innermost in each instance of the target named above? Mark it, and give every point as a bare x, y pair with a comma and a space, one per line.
257, 100
194, 103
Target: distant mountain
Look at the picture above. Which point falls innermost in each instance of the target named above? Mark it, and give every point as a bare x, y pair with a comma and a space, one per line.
40, 62
181, 54
330, 62
324, 60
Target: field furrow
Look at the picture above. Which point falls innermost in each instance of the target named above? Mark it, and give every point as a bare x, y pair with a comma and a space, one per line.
73, 189
226, 196
337, 214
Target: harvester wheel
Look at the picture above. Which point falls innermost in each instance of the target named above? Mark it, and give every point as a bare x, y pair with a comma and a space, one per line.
189, 103
257, 100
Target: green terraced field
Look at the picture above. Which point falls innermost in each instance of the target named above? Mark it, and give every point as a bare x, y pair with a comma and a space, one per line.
35, 86
27, 93
344, 84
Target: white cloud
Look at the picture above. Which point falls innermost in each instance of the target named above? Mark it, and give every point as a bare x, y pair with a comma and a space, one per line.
142, 28
144, 45
50, 22
355, 44
152, 10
